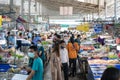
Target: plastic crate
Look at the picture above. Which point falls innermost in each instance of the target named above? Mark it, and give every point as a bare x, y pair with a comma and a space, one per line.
117, 66
97, 77
4, 67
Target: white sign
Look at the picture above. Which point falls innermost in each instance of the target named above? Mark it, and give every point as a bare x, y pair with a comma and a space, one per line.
4, 1
66, 10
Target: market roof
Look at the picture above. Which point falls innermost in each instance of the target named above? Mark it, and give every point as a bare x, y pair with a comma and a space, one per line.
78, 6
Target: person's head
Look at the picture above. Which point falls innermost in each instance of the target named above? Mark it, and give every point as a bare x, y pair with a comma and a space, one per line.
58, 37
20, 34
8, 33
78, 36
62, 44
33, 52
111, 74
71, 40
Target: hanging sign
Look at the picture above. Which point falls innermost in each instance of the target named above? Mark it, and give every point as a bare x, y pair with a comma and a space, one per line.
83, 27
0, 20
66, 10
98, 28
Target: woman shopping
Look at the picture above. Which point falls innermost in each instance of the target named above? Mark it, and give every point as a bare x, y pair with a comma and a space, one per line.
55, 63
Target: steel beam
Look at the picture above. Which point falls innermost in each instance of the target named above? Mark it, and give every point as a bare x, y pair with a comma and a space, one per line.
115, 10
22, 8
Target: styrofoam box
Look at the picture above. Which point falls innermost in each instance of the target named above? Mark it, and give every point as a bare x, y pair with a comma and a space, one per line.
19, 77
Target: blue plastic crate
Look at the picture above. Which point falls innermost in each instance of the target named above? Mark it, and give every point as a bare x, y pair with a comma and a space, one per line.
117, 66
4, 67
97, 77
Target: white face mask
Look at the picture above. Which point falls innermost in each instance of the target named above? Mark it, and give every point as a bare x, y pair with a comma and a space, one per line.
31, 55
39, 45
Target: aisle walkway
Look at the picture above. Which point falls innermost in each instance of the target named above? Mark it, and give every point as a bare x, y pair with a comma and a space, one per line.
74, 78
47, 74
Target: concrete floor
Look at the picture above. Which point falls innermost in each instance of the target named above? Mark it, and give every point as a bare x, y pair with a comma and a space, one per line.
47, 74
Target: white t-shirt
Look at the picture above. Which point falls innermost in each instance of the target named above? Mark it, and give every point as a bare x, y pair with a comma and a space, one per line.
64, 55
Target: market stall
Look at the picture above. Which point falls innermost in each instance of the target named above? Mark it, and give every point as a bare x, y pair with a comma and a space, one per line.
99, 57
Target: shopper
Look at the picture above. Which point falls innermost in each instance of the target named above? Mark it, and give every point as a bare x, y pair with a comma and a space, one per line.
29, 34
77, 46
36, 38
37, 67
12, 40
56, 39
56, 63
78, 39
8, 38
41, 51
101, 40
20, 36
72, 52
64, 59
111, 74
72, 37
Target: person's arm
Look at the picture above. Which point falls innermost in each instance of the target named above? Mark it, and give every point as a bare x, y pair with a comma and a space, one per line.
76, 46
67, 47
4, 50
31, 75
35, 68
67, 57
28, 69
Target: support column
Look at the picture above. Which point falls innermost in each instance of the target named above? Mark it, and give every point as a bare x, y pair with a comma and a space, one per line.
35, 6
115, 10
22, 8
99, 8
105, 9
40, 8
11, 5
29, 11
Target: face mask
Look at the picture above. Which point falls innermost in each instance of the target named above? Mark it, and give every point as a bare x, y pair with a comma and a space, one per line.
31, 55
62, 47
39, 44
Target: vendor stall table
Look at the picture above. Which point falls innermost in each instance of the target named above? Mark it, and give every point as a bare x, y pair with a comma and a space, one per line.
23, 45
98, 69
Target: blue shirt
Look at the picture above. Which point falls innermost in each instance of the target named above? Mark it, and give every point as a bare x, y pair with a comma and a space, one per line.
30, 35
12, 40
38, 68
36, 39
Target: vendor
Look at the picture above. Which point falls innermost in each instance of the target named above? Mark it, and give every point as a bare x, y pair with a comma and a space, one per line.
37, 67
3, 51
